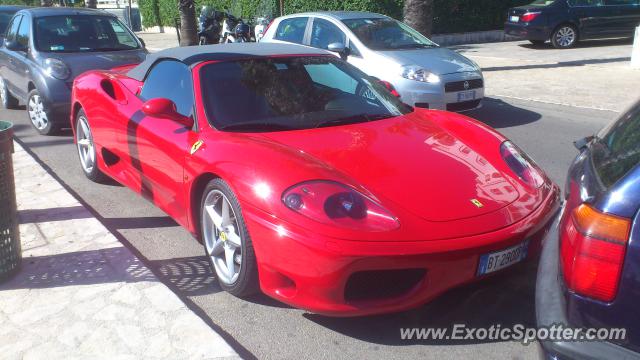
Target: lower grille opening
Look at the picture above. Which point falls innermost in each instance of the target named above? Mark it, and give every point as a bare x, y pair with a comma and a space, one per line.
462, 106
381, 284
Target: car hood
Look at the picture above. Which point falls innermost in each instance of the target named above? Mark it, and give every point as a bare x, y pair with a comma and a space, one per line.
412, 162
81, 62
438, 60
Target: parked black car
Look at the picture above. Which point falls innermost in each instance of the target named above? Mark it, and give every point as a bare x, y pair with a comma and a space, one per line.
565, 22
44, 49
589, 272
6, 13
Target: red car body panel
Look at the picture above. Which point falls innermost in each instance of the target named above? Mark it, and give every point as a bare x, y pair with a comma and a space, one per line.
424, 167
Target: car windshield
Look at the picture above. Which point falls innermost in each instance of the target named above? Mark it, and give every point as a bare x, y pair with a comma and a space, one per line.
617, 148
292, 93
5, 17
387, 34
77, 33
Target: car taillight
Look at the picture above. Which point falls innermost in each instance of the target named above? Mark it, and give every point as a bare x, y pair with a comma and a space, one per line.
521, 164
332, 203
390, 87
592, 249
528, 17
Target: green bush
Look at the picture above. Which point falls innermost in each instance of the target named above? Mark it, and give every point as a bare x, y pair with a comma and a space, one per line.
450, 15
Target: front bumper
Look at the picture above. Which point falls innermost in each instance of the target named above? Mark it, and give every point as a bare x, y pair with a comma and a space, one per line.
317, 273
550, 310
434, 96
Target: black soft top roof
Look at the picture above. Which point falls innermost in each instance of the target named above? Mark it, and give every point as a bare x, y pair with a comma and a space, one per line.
191, 55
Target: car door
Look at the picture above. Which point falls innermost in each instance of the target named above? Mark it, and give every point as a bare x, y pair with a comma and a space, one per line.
156, 147
20, 64
7, 57
625, 16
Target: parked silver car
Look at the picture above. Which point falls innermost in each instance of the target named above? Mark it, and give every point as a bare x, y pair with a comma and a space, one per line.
423, 73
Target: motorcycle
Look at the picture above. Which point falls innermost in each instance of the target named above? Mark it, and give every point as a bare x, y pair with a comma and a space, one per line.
262, 23
209, 25
234, 30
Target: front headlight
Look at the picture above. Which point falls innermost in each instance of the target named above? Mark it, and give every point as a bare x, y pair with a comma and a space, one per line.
332, 203
56, 69
521, 164
417, 73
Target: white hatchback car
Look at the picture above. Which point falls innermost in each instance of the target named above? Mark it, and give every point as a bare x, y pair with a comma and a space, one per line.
423, 73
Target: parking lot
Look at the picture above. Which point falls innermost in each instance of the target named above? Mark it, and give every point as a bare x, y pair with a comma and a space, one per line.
543, 99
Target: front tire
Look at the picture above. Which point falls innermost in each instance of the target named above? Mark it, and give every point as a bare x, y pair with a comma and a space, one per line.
226, 240
86, 148
564, 37
39, 117
8, 101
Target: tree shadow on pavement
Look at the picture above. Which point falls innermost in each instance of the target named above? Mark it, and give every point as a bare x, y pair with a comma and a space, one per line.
506, 299
500, 114
191, 276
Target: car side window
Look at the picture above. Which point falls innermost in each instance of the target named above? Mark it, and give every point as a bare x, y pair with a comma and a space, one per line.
323, 33
22, 36
12, 30
171, 80
292, 30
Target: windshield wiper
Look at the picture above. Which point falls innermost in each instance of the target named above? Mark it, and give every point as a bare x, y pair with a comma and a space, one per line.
414, 46
354, 119
255, 126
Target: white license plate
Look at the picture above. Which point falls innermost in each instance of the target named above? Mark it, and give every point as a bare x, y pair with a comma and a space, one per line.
502, 259
467, 95
514, 19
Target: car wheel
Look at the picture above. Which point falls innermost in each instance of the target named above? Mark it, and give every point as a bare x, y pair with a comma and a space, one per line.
87, 149
226, 240
537, 42
39, 117
565, 37
8, 101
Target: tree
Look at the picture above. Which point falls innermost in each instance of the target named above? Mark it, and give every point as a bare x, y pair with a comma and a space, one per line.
188, 29
91, 4
419, 15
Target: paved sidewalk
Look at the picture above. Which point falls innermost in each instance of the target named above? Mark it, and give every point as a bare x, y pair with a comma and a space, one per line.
81, 295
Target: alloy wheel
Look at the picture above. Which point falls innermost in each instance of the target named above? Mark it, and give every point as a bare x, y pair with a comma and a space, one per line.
37, 115
221, 236
566, 36
84, 141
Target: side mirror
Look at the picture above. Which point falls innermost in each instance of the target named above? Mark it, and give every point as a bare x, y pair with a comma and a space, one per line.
339, 48
13, 45
582, 143
165, 109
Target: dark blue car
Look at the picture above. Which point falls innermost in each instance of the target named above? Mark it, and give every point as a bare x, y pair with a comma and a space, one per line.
565, 22
589, 272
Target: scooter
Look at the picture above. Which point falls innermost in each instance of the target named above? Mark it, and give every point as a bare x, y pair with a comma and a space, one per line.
209, 25
234, 30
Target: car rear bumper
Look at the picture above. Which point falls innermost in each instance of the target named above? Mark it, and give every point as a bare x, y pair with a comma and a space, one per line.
526, 32
353, 278
550, 310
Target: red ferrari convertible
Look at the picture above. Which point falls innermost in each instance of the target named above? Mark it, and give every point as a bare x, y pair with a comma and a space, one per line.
309, 180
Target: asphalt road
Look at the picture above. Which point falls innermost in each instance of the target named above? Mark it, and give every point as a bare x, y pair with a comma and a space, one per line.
265, 329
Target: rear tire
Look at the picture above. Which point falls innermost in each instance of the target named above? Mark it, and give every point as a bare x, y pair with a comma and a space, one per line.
226, 240
39, 117
8, 101
87, 149
564, 37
